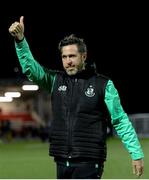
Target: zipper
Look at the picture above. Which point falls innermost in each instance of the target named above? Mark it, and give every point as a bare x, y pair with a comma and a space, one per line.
73, 81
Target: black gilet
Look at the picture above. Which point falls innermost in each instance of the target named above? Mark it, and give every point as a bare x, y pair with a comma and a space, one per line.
79, 125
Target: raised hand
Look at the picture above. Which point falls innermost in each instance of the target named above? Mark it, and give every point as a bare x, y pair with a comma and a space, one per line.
17, 29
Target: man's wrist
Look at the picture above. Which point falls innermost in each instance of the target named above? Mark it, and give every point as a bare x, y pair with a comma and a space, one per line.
19, 40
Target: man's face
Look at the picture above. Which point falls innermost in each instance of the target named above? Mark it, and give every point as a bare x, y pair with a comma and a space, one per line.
72, 59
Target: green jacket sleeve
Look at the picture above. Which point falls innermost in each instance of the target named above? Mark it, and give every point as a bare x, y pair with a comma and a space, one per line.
33, 70
121, 122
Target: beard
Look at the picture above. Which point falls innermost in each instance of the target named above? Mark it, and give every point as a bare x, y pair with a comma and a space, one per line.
72, 71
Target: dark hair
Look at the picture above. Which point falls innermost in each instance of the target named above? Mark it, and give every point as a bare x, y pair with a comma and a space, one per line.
72, 39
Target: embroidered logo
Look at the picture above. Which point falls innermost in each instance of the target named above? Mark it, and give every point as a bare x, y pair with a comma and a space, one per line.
90, 91
62, 88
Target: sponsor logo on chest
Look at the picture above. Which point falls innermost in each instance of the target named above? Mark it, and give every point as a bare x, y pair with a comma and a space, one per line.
62, 88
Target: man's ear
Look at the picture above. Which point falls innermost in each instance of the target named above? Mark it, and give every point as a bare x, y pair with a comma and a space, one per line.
84, 56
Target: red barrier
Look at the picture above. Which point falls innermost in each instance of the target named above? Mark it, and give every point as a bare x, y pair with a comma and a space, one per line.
16, 116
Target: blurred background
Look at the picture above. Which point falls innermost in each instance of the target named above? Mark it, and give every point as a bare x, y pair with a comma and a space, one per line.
117, 40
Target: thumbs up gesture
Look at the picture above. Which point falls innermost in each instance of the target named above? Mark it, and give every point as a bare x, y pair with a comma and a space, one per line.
17, 29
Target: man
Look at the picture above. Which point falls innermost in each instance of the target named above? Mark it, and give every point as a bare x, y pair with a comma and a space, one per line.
82, 100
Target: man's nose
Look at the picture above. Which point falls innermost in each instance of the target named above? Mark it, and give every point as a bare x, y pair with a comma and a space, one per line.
69, 61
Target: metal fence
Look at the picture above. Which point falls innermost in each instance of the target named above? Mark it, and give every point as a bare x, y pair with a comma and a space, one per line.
140, 122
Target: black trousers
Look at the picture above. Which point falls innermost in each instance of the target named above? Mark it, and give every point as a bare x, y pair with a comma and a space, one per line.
82, 170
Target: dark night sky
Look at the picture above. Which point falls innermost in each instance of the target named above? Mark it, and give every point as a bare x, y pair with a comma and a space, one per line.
117, 41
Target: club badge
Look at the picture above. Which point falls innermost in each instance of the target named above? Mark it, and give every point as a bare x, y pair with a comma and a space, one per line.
90, 91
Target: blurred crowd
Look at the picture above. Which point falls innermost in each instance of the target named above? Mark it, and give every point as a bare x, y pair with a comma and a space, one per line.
8, 134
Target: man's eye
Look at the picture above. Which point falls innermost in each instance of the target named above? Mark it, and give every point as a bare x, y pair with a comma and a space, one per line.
72, 56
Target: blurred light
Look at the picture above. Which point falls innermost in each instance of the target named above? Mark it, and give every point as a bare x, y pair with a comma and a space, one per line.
5, 99
12, 94
30, 87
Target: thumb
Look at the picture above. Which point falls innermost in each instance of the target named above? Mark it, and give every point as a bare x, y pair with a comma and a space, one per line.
22, 20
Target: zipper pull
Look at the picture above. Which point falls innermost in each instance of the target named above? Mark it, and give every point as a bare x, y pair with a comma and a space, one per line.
67, 163
96, 166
